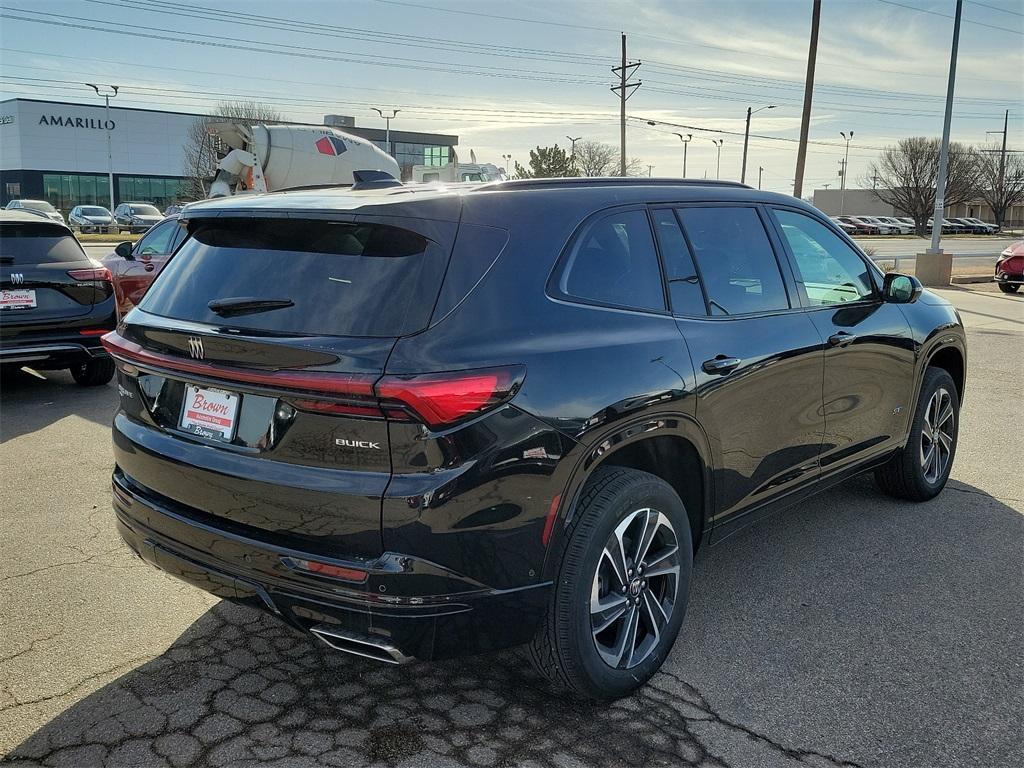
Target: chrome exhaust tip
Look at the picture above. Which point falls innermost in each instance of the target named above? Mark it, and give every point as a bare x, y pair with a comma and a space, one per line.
359, 645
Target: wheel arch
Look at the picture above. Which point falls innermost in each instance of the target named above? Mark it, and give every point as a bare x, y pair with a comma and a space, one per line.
672, 447
951, 359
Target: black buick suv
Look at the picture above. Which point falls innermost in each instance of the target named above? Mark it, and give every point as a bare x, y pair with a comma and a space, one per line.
422, 422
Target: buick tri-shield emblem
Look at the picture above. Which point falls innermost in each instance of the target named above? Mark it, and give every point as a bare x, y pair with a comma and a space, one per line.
195, 347
17, 278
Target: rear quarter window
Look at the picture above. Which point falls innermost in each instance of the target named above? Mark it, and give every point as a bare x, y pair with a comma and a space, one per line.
343, 278
38, 244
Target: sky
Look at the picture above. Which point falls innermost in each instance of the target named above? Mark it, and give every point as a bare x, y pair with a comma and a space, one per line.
505, 77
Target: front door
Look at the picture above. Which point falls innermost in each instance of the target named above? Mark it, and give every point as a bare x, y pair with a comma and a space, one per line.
148, 257
869, 353
758, 357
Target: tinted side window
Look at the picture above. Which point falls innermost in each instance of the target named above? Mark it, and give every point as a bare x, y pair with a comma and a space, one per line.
736, 260
830, 271
615, 263
683, 283
157, 240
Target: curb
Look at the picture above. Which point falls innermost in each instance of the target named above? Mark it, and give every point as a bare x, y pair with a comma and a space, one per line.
968, 279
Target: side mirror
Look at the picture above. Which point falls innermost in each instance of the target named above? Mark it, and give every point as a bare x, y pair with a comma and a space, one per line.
901, 289
124, 250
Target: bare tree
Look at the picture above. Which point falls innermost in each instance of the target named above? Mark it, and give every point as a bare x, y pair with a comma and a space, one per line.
200, 153
904, 177
594, 158
1001, 191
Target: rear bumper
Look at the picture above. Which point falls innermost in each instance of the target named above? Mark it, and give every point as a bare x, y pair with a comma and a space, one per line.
404, 608
52, 354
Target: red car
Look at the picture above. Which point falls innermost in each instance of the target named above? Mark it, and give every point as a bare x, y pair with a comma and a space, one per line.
134, 265
1010, 268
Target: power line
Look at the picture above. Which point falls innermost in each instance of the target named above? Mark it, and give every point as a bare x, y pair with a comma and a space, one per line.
997, 8
947, 16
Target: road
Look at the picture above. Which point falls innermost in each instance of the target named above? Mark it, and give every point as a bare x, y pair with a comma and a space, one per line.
850, 630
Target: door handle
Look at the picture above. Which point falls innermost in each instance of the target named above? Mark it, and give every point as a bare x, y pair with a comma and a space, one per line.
721, 365
841, 339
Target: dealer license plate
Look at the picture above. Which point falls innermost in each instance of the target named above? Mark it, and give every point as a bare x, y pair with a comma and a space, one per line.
209, 413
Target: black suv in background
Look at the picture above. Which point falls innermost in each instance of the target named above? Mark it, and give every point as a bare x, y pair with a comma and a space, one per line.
55, 302
420, 423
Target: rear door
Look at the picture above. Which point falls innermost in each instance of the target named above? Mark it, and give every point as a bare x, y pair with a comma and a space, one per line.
758, 357
37, 288
869, 354
257, 349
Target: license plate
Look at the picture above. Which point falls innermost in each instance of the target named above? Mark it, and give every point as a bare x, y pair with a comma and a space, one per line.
209, 413
17, 299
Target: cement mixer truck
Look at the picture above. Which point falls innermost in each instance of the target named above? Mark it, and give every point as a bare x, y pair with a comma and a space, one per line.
268, 158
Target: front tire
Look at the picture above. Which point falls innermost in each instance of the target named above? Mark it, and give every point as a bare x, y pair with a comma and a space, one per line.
1009, 287
622, 586
919, 471
93, 373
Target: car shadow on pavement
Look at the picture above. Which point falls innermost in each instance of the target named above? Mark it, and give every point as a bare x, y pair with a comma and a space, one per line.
801, 629
29, 403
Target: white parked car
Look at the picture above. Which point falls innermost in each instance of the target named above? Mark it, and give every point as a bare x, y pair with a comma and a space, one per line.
902, 227
39, 207
91, 218
883, 227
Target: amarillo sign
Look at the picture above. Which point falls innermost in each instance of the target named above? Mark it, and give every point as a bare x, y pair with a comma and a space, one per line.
77, 122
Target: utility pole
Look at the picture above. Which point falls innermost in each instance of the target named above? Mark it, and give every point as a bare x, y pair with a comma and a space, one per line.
107, 96
687, 140
940, 181
387, 126
718, 143
760, 170
746, 138
845, 162
1002, 165
650, 170
625, 89
805, 119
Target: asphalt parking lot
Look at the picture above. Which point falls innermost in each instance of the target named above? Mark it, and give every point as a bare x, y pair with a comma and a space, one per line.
851, 630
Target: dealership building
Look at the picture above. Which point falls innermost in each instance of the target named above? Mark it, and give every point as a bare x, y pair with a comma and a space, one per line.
57, 151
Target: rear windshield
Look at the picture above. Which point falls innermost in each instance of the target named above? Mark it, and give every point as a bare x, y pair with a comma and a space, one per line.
38, 205
37, 244
344, 279
145, 210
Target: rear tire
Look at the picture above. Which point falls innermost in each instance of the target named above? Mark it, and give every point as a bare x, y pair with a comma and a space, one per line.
919, 471
643, 598
94, 373
1009, 287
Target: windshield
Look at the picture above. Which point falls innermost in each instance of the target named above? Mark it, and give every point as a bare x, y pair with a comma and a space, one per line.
341, 279
145, 210
93, 210
38, 205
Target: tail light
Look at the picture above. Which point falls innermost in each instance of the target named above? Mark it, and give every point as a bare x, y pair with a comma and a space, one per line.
442, 399
435, 399
96, 274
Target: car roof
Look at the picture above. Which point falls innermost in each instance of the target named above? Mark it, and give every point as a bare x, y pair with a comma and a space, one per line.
444, 201
17, 217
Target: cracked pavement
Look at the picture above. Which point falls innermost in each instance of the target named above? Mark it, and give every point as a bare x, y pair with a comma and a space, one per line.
850, 630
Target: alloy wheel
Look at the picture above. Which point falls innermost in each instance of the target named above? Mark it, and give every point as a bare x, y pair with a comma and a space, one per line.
937, 435
634, 591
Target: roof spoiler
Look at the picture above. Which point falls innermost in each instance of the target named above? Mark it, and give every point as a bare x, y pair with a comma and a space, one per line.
373, 180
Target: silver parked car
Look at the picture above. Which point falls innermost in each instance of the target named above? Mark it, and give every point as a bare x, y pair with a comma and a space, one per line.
38, 207
91, 218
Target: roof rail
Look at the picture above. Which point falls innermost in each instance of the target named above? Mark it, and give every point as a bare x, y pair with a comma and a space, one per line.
632, 181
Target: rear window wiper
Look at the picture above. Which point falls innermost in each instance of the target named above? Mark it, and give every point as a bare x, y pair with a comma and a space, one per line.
247, 305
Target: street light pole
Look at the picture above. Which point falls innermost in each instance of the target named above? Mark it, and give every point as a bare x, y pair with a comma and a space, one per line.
572, 151
718, 169
760, 170
685, 141
940, 180
107, 96
387, 126
846, 170
746, 138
